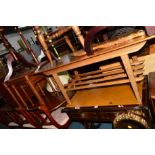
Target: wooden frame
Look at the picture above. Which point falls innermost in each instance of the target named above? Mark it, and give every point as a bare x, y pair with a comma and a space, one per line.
28, 48
43, 41
31, 98
121, 50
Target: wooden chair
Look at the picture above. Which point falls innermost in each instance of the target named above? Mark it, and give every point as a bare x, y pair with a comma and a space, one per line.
10, 113
124, 70
47, 39
30, 94
19, 94
28, 47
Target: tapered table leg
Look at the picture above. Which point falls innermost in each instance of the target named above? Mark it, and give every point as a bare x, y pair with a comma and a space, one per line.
129, 71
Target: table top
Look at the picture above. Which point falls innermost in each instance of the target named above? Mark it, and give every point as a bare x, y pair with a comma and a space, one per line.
70, 62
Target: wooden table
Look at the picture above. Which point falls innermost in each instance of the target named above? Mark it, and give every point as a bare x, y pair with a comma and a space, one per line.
109, 104
122, 50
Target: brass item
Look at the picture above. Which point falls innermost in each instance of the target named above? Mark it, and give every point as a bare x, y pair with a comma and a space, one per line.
134, 117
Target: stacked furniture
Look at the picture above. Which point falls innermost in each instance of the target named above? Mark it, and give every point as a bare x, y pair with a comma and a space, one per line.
105, 83
28, 102
119, 69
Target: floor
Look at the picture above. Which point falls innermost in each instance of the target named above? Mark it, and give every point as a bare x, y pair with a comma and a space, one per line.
78, 125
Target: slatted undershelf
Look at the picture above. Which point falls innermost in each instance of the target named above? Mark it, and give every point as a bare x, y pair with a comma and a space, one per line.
107, 86
105, 96
112, 74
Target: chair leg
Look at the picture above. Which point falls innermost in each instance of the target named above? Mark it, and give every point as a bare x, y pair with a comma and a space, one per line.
46, 111
15, 118
52, 119
30, 119
38, 116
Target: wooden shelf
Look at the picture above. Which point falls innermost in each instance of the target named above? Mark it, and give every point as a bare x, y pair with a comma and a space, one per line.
127, 72
107, 96
112, 74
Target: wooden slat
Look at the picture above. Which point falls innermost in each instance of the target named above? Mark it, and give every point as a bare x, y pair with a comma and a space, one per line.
89, 73
41, 101
20, 81
37, 78
79, 53
138, 67
106, 73
118, 76
113, 65
73, 82
138, 72
98, 71
59, 33
12, 95
22, 87
118, 64
42, 92
54, 82
18, 94
136, 63
116, 82
49, 82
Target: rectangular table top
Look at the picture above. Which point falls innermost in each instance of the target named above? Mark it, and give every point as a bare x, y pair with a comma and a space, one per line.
106, 96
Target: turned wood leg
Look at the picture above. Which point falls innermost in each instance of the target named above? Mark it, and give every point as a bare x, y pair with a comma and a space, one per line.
77, 31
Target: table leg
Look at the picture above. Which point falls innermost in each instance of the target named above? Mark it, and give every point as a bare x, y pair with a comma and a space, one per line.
64, 92
129, 71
